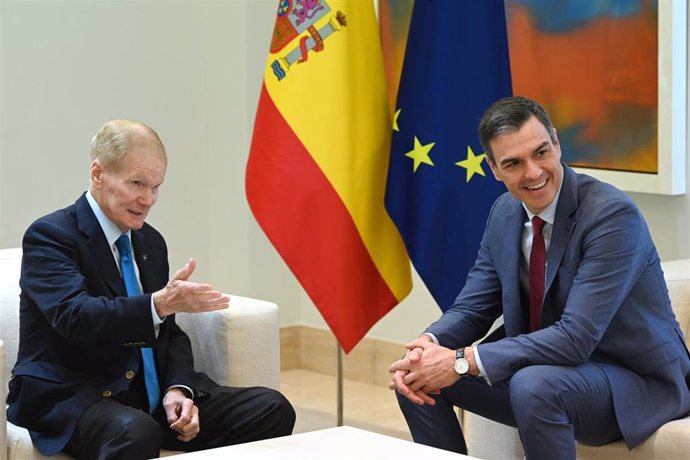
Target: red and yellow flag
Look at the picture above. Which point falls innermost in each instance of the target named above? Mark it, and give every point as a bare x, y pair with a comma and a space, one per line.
316, 173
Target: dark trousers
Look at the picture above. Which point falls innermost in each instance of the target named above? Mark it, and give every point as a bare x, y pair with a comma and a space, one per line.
551, 406
111, 429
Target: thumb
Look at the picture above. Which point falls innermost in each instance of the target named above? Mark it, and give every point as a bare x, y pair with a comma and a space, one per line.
414, 355
185, 272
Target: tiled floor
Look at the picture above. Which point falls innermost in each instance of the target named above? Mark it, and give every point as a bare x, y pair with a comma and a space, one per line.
369, 407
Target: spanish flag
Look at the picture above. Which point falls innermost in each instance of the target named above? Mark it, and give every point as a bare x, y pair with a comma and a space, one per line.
316, 173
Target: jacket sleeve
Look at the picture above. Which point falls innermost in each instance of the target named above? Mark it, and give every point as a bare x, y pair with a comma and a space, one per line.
479, 303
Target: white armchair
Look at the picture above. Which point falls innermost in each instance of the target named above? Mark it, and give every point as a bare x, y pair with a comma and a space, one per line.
238, 346
490, 440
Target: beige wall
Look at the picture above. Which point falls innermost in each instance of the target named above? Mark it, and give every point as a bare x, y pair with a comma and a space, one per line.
192, 70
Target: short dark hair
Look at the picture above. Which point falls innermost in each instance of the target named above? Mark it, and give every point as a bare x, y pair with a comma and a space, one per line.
508, 115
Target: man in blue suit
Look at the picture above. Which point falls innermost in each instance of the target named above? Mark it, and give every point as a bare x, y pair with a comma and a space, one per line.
602, 355
90, 314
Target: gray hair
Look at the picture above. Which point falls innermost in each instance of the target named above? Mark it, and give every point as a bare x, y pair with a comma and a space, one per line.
508, 115
115, 138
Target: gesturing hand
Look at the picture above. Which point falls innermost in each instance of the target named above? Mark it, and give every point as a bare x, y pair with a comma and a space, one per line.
181, 295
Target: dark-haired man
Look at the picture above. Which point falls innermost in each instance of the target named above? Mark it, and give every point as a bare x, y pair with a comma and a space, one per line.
590, 349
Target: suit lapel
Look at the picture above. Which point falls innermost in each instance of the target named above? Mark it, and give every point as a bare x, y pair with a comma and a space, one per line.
143, 259
98, 247
563, 226
513, 314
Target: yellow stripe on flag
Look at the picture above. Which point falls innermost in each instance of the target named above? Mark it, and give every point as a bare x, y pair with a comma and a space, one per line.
335, 102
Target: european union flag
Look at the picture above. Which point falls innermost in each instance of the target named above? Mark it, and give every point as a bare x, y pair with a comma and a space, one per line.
440, 187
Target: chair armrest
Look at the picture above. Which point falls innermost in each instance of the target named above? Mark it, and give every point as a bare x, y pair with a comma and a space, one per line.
238, 346
3, 398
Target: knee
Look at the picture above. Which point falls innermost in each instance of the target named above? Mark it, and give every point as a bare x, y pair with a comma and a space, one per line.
282, 412
139, 434
144, 430
533, 391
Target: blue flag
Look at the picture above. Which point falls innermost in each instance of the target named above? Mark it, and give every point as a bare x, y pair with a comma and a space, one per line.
440, 187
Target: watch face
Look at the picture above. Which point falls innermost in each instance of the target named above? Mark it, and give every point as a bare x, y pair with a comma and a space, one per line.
462, 366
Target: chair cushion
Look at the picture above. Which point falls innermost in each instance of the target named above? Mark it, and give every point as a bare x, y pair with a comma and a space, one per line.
10, 266
19, 446
671, 441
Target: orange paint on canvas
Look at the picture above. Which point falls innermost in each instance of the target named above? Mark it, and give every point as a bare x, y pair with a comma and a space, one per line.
599, 79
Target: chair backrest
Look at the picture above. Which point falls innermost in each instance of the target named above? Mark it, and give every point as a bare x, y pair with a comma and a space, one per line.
677, 275
10, 266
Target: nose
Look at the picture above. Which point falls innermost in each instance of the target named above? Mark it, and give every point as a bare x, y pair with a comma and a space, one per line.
148, 198
532, 170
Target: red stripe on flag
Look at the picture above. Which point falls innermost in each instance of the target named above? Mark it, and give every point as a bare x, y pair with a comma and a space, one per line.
308, 223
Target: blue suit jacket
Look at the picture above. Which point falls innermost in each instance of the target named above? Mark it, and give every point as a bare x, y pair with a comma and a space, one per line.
79, 332
605, 301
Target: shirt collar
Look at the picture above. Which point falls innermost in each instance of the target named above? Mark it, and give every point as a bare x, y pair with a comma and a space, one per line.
112, 232
548, 215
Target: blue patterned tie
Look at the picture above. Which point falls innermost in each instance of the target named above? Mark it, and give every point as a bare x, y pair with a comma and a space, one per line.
132, 285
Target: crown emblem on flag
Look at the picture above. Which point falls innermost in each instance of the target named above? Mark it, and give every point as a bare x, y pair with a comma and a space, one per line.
293, 18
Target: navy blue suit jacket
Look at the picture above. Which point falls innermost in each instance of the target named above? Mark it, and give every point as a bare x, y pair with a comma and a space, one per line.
605, 301
79, 332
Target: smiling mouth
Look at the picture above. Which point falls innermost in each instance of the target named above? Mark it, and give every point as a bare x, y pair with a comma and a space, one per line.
537, 186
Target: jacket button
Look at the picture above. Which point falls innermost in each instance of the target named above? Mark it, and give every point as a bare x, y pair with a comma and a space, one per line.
107, 393
129, 375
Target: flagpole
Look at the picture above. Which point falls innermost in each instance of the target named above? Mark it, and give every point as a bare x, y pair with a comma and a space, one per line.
339, 384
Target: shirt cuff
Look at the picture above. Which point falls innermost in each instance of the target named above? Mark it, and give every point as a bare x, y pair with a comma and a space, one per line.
187, 391
478, 360
156, 319
432, 337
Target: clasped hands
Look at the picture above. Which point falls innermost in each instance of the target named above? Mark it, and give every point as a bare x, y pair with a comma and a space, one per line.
182, 295
423, 371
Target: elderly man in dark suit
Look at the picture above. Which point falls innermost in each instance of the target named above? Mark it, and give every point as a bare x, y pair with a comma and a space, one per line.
103, 371
591, 350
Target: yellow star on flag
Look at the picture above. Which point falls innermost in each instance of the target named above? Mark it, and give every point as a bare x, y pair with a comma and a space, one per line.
395, 120
420, 153
473, 164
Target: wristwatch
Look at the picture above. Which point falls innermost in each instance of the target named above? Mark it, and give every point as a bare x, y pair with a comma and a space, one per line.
462, 366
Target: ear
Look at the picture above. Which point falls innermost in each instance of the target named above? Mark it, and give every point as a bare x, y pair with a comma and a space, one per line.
556, 143
96, 173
